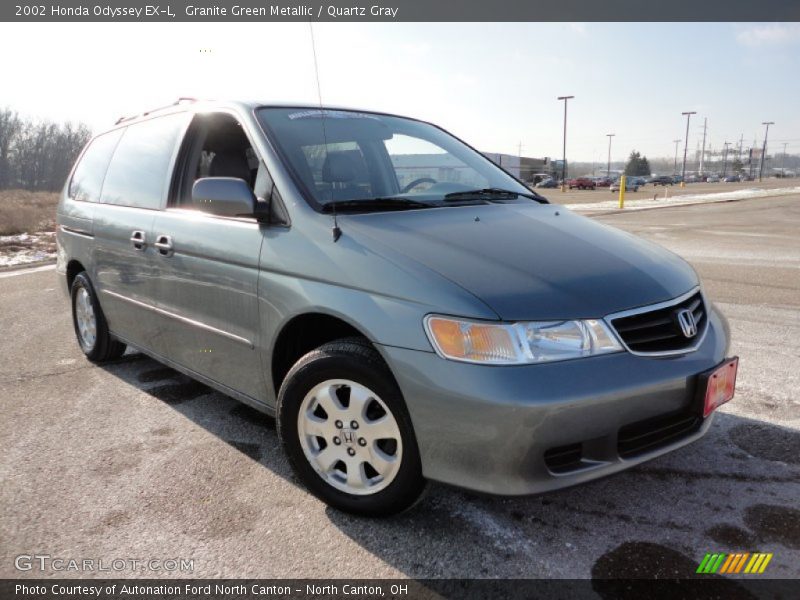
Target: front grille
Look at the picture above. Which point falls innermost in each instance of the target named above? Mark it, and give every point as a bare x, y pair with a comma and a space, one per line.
651, 434
656, 331
564, 458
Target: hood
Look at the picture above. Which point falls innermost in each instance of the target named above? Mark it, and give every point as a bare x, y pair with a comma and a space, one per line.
531, 261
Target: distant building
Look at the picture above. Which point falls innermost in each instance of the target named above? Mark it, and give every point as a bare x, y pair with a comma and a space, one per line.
445, 167
525, 168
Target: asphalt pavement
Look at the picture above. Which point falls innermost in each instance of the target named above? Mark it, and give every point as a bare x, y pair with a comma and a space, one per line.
132, 460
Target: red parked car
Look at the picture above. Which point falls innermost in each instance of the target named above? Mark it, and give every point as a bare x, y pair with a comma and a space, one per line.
582, 183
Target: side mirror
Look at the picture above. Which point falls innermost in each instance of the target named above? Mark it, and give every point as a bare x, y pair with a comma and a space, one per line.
224, 196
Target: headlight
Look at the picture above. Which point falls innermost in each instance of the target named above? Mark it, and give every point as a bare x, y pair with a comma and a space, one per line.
519, 343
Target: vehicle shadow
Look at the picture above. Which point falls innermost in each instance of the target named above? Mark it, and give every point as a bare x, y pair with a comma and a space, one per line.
734, 490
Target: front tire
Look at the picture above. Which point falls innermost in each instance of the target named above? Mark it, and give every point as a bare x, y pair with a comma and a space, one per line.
90, 324
345, 428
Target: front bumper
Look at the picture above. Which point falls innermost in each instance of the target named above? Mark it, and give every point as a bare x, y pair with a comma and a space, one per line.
533, 428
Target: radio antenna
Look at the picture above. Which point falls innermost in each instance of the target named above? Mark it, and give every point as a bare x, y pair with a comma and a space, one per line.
337, 233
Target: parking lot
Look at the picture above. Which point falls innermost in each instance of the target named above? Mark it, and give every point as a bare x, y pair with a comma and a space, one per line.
648, 191
134, 460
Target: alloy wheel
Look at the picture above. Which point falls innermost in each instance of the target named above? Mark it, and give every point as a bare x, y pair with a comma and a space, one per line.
85, 319
350, 437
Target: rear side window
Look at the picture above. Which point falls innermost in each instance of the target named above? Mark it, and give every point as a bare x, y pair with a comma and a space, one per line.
87, 180
139, 171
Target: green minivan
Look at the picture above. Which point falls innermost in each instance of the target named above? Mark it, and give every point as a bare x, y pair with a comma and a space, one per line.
405, 308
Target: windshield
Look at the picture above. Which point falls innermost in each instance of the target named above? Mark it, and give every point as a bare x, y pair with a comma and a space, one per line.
343, 157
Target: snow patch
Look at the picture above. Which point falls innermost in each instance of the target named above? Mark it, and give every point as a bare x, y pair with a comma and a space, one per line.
25, 248
25, 257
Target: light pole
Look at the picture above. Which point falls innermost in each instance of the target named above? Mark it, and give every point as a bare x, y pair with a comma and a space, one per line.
686, 145
764, 149
725, 160
564, 157
675, 166
608, 170
783, 161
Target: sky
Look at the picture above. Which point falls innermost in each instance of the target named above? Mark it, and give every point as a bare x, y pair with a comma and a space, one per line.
493, 84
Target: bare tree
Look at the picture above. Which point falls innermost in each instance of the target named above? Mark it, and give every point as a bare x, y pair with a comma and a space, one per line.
10, 126
37, 155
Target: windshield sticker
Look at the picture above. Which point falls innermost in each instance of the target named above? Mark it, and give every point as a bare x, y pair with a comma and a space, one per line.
331, 114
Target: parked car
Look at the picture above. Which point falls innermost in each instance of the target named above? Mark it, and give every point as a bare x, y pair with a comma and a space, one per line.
712, 179
400, 328
662, 180
539, 177
731, 179
631, 185
582, 183
677, 179
603, 181
547, 183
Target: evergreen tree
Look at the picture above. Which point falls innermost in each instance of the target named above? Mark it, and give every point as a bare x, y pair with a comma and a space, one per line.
637, 164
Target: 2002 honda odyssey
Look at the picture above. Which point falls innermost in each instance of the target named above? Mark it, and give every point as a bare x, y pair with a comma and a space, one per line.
407, 309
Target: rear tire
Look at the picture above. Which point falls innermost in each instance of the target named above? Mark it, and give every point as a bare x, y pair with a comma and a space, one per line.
90, 324
344, 426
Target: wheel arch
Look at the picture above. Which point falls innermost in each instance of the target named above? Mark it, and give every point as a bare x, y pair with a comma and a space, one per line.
74, 267
301, 334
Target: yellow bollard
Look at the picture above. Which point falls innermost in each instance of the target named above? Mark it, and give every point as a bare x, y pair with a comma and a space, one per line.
622, 192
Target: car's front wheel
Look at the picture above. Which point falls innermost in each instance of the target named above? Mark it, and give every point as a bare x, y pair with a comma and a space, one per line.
90, 324
346, 430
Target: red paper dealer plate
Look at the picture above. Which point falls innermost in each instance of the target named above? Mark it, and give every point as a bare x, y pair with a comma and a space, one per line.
719, 385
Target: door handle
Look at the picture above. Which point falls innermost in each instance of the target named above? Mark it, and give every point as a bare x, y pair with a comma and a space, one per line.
164, 245
139, 239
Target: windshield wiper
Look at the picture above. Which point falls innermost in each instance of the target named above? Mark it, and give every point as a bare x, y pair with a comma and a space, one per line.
492, 194
370, 204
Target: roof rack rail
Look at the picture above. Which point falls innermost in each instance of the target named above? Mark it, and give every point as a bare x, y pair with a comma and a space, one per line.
181, 100
124, 118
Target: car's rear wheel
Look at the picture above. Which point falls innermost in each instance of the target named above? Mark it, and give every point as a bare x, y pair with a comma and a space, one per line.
90, 324
346, 430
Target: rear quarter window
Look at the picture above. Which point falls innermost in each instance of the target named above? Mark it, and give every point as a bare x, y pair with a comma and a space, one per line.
87, 180
138, 175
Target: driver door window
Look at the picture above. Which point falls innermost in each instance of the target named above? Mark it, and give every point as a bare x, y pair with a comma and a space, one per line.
217, 146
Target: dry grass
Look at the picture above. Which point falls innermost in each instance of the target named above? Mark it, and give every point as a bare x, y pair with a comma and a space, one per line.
27, 212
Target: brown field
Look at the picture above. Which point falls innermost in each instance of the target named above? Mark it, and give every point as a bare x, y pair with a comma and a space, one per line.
27, 212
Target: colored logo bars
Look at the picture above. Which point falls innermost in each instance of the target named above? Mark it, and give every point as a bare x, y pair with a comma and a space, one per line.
735, 563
